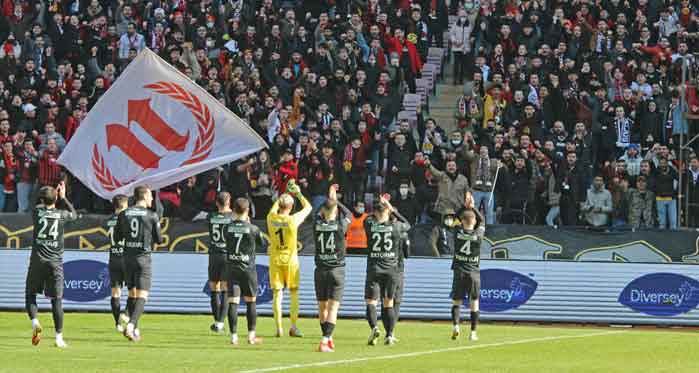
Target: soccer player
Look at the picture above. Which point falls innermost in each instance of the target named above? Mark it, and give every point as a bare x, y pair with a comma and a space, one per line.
139, 228
465, 264
218, 221
45, 272
243, 239
329, 230
383, 274
282, 228
117, 270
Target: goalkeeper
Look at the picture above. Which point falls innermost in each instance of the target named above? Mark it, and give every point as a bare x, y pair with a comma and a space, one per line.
282, 227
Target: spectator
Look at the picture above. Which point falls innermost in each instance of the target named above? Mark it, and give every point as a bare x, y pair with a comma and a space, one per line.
452, 187
27, 160
551, 195
460, 37
641, 205
131, 40
598, 205
517, 207
632, 160
8, 178
664, 186
484, 180
50, 172
51, 134
406, 203
572, 185
692, 190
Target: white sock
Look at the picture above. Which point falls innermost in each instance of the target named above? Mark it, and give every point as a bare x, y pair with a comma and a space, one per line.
325, 340
130, 327
251, 335
35, 323
219, 325
59, 336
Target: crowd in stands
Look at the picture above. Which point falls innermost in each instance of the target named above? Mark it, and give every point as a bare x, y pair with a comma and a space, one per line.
572, 112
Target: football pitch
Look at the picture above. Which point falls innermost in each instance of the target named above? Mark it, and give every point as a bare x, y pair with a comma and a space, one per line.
183, 343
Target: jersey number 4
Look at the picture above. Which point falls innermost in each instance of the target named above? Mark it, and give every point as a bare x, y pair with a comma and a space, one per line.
328, 244
382, 240
466, 248
49, 228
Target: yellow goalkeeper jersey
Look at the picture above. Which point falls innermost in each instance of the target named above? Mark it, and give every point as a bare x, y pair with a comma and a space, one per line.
283, 233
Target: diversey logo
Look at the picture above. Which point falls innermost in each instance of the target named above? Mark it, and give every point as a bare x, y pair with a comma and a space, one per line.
264, 290
661, 294
503, 290
85, 281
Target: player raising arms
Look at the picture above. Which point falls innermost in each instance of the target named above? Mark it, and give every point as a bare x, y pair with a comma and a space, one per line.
282, 228
117, 270
467, 278
217, 259
243, 239
139, 228
329, 230
45, 273
384, 237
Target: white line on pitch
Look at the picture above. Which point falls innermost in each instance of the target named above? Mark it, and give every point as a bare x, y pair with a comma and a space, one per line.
428, 352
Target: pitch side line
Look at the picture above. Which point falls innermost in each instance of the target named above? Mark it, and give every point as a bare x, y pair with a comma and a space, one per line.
429, 352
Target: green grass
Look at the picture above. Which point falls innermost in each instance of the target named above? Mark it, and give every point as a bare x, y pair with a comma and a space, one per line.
182, 343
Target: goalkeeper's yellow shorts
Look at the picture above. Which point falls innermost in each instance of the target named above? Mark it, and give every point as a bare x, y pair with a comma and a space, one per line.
284, 276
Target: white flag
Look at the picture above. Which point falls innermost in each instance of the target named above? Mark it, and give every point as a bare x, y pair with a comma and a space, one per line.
154, 127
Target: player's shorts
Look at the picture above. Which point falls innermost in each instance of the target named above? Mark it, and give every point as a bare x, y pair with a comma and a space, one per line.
217, 267
330, 283
284, 276
45, 277
245, 281
139, 272
381, 285
117, 272
466, 283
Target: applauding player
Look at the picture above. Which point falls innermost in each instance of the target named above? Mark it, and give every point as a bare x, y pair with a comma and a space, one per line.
218, 221
45, 272
282, 228
243, 239
467, 278
384, 238
117, 271
139, 228
329, 230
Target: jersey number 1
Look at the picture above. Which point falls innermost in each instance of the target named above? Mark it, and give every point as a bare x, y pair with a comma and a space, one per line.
280, 233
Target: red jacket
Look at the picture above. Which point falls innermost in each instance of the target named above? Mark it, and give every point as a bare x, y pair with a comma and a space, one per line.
285, 172
394, 45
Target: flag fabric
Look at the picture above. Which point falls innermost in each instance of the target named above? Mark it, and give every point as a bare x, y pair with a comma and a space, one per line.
154, 127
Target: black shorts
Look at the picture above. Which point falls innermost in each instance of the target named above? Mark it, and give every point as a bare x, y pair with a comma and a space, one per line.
242, 283
330, 283
381, 285
139, 272
217, 267
117, 272
45, 277
466, 283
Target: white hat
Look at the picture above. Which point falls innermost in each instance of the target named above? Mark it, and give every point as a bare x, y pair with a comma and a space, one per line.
28, 107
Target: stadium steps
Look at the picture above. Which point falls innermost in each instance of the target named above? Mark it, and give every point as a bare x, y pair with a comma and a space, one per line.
443, 104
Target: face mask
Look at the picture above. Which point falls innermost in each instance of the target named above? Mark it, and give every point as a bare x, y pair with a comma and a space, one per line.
209, 43
360, 210
463, 19
210, 24
448, 222
456, 142
403, 192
